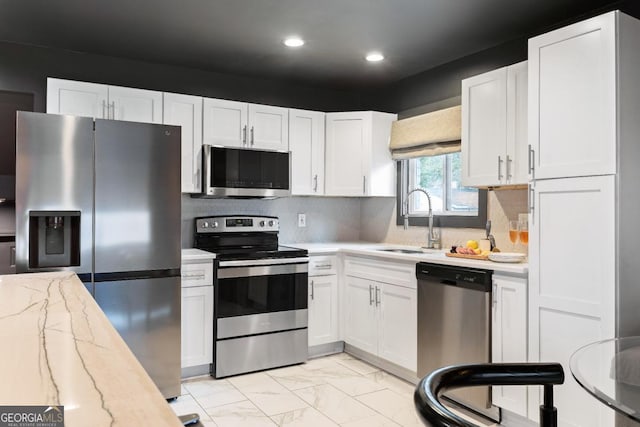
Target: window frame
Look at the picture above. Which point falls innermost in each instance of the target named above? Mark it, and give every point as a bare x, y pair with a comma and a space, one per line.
448, 221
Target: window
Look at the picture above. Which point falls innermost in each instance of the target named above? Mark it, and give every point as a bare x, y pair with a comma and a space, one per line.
452, 204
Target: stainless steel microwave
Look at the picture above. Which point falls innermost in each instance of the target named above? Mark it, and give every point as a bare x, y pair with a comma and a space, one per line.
241, 172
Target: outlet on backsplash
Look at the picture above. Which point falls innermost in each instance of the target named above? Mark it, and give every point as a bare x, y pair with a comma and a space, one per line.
302, 220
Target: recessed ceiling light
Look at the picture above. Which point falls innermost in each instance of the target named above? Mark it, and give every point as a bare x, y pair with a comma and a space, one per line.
293, 42
374, 57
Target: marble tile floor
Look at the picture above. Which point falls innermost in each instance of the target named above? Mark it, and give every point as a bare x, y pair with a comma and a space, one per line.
336, 390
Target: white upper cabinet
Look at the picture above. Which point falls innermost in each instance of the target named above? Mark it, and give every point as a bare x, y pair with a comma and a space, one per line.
238, 124
517, 157
77, 98
494, 127
306, 142
224, 122
358, 161
135, 105
186, 111
268, 127
103, 101
572, 102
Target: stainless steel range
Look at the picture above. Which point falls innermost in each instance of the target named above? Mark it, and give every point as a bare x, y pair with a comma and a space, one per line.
260, 302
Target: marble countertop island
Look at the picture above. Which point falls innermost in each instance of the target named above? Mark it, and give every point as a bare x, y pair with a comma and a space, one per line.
58, 348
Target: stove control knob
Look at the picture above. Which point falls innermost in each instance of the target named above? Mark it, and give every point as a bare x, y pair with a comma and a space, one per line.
205, 224
271, 223
261, 223
215, 224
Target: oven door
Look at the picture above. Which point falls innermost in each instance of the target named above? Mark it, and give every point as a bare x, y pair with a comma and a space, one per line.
261, 296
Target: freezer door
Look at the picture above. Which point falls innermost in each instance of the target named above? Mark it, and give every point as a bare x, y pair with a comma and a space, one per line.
146, 313
54, 172
137, 197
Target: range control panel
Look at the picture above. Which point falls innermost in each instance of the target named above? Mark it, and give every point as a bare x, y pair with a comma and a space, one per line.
235, 224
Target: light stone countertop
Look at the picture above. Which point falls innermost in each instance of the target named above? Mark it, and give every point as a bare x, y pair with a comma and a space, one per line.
192, 254
435, 256
58, 348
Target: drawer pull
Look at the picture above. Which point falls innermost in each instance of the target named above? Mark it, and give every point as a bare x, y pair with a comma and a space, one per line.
198, 276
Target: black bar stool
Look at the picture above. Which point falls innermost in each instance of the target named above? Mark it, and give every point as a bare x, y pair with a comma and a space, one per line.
433, 413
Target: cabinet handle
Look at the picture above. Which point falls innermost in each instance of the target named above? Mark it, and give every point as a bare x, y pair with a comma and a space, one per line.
315, 183
312, 290
244, 135
532, 194
252, 135
494, 295
499, 168
322, 266
12, 256
509, 161
193, 276
531, 160
370, 295
364, 185
377, 296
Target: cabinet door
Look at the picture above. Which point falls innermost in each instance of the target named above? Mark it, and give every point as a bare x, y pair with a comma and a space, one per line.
484, 129
197, 326
571, 283
346, 136
361, 329
517, 156
398, 339
268, 127
186, 111
135, 105
224, 123
509, 338
323, 309
306, 142
77, 98
572, 99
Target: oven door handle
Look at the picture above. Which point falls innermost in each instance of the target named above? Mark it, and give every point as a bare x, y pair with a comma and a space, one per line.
264, 261
262, 270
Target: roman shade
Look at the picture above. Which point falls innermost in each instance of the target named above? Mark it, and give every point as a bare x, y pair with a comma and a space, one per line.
430, 134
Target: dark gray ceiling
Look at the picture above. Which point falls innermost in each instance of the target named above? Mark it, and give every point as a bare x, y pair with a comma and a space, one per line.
245, 36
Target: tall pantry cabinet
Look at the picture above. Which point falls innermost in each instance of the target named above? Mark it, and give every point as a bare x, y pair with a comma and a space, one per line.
584, 136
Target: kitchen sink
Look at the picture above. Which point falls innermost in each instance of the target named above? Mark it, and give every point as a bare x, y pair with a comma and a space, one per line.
403, 251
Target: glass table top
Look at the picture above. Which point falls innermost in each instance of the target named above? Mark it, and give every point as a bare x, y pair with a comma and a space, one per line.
610, 371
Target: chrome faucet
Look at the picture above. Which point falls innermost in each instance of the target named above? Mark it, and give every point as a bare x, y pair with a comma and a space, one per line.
433, 241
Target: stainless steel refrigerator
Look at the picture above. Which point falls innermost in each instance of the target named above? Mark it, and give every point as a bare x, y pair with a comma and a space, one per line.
102, 198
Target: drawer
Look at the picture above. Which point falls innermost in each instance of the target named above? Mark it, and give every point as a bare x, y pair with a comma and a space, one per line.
322, 265
395, 273
197, 274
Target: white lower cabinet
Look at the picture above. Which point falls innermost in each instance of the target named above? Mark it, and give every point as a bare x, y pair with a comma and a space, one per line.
509, 337
323, 310
381, 317
323, 300
197, 326
197, 314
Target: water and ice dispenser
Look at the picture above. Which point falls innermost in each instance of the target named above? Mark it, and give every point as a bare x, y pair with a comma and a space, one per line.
54, 239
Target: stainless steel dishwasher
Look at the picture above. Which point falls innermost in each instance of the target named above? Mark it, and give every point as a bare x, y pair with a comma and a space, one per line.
454, 326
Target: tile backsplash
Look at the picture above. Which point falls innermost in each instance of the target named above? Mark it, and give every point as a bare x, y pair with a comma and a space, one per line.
379, 222
329, 219
333, 219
